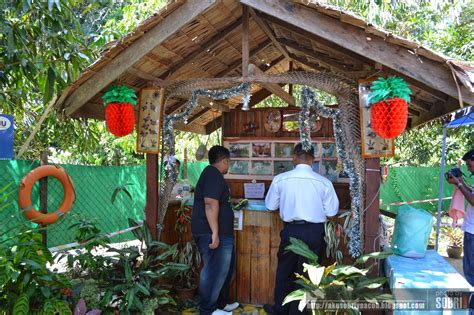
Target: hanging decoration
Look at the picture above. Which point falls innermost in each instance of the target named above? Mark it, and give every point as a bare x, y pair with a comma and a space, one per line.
170, 176
389, 106
308, 100
119, 102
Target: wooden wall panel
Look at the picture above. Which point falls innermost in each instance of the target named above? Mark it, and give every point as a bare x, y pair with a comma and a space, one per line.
234, 121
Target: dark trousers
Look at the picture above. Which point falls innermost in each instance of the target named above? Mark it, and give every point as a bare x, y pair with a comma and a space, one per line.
289, 263
216, 275
468, 263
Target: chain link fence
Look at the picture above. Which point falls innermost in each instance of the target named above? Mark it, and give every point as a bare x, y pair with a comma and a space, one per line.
94, 188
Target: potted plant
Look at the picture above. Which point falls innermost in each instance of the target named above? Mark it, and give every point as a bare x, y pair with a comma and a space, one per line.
342, 283
455, 244
186, 253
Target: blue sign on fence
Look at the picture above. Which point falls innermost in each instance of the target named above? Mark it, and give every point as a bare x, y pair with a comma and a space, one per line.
6, 137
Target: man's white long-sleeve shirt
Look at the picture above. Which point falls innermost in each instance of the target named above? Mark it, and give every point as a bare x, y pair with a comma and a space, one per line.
302, 194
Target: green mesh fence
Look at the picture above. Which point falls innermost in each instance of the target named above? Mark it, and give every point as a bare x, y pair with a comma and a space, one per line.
94, 188
416, 183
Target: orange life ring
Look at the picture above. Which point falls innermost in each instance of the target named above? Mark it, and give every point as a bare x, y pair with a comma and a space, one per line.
26, 185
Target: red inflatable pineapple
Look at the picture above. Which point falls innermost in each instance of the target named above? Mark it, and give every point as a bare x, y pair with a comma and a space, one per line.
389, 109
119, 104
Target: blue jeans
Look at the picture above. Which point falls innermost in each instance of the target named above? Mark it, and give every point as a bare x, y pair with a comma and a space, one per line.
468, 262
216, 275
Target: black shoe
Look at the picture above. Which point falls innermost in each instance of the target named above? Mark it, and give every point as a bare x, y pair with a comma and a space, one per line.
270, 309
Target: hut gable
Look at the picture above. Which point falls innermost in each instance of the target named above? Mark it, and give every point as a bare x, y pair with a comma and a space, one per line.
203, 39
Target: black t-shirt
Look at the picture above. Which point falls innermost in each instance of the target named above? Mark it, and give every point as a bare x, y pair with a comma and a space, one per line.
211, 184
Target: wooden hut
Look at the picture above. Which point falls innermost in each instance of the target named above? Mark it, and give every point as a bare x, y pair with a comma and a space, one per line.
209, 39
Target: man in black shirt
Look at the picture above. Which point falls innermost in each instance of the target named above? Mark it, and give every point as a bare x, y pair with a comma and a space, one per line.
212, 225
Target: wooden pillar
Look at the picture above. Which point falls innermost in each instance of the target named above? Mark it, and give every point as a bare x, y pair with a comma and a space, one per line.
152, 196
44, 193
290, 86
372, 203
245, 41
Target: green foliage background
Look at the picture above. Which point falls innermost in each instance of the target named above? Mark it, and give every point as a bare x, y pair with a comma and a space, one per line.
44, 45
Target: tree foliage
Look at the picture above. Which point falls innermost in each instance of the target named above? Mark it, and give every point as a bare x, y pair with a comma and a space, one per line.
44, 45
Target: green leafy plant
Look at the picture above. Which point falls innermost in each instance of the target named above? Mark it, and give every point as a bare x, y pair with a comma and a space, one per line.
332, 237
120, 94
454, 235
26, 284
82, 263
344, 283
186, 253
121, 188
134, 272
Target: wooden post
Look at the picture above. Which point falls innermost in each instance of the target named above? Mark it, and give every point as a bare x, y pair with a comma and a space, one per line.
290, 86
152, 197
245, 41
44, 193
372, 214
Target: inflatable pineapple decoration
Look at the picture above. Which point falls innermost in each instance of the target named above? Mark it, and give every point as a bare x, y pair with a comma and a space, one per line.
119, 104
389, 100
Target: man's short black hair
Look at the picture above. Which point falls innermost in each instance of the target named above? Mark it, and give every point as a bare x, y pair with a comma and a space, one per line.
217, 153
298, 151
469, 155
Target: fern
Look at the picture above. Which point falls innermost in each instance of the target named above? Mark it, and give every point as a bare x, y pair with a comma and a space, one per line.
22, 305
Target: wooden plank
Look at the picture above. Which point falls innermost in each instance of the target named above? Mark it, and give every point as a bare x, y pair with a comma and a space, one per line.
197, 115
151, 207
269, 32
437, 110
209, 44
429, 72
173, 22
245, 240
329, 62
273, 87
245, 41
144, 75
372, 214
238, 62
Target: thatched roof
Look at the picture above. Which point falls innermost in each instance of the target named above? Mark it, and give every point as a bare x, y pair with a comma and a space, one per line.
203, 39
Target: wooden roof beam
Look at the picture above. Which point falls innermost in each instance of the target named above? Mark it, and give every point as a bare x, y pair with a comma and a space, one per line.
137, 50
347, 53
198, 115
328, 62
424, 70
269, 32
272, 87
229, 69
208, 45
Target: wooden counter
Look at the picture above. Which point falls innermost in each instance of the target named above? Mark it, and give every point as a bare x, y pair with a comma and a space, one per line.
256, 246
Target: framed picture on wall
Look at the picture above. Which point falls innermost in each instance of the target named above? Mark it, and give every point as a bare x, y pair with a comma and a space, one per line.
282, 166
149, 120
239, 150
284, 150
262, 149
328, 150
317, 149
239, 167
328, 169
372, 144
261, 168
